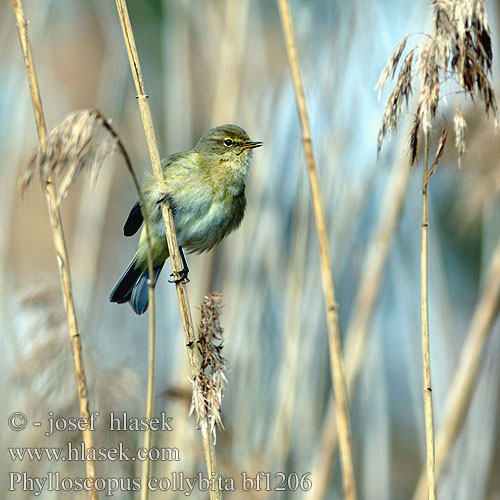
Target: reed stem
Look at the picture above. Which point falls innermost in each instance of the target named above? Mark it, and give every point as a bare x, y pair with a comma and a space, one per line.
173, 246
59, 244
466, 374
338, 376
424, 272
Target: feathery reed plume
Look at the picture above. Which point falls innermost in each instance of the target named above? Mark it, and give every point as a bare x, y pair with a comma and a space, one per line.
336, 364
83, 140
458, 55
79, 141
171, 235
59, 241
208, 383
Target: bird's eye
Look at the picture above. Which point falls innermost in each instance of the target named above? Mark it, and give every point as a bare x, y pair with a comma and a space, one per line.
228, 142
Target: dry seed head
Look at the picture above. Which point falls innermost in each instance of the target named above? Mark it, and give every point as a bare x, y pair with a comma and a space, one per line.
413, 140
459, 54
83, 140
397, 101
208, 383
390, 67
429, 79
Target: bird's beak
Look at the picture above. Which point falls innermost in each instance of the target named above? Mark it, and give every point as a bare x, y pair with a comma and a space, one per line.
251, 144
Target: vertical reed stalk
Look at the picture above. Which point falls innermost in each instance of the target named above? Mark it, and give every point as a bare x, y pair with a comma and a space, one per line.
193, 355
151, 295
424, 272
467, 372
337, 370
146, 467
357, 333
59, 242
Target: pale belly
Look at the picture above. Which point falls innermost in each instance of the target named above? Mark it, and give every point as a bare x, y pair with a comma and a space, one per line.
199, 230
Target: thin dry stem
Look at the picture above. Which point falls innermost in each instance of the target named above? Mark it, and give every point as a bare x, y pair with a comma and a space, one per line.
364, 305
424, 258
337, 370
152, 313
466, 375
83, 140
171, 235
457, 54
59, 242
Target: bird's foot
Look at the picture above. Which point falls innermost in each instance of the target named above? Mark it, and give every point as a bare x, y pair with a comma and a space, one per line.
182, 277
162, 198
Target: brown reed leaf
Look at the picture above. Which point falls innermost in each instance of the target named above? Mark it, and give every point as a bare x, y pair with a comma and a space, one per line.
81, 141
208, 384
439, 154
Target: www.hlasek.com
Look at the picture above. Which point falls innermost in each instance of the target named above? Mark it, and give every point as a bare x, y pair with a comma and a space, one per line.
79, 453
177, 481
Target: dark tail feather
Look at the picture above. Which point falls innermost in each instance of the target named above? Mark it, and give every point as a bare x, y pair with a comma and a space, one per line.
123, 289
140, 293
133, 287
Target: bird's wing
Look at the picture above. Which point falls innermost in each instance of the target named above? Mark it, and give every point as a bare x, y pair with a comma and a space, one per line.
134, 221
173, 171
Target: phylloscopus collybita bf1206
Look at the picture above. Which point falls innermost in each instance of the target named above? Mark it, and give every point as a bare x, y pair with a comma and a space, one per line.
206, 191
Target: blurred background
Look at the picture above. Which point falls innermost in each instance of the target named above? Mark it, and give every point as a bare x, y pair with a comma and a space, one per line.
224, 61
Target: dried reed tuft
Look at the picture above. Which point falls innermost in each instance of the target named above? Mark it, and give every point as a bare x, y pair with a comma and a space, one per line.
208, 383
81, 140
391, 66
457, 56
399, 97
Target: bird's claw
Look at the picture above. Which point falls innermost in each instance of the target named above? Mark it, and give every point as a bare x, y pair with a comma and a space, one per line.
162, 198
182, 277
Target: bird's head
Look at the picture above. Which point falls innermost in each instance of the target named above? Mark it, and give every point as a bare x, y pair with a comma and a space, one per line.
227, 143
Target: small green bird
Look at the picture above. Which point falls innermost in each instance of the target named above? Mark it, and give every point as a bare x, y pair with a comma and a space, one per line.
206, 190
